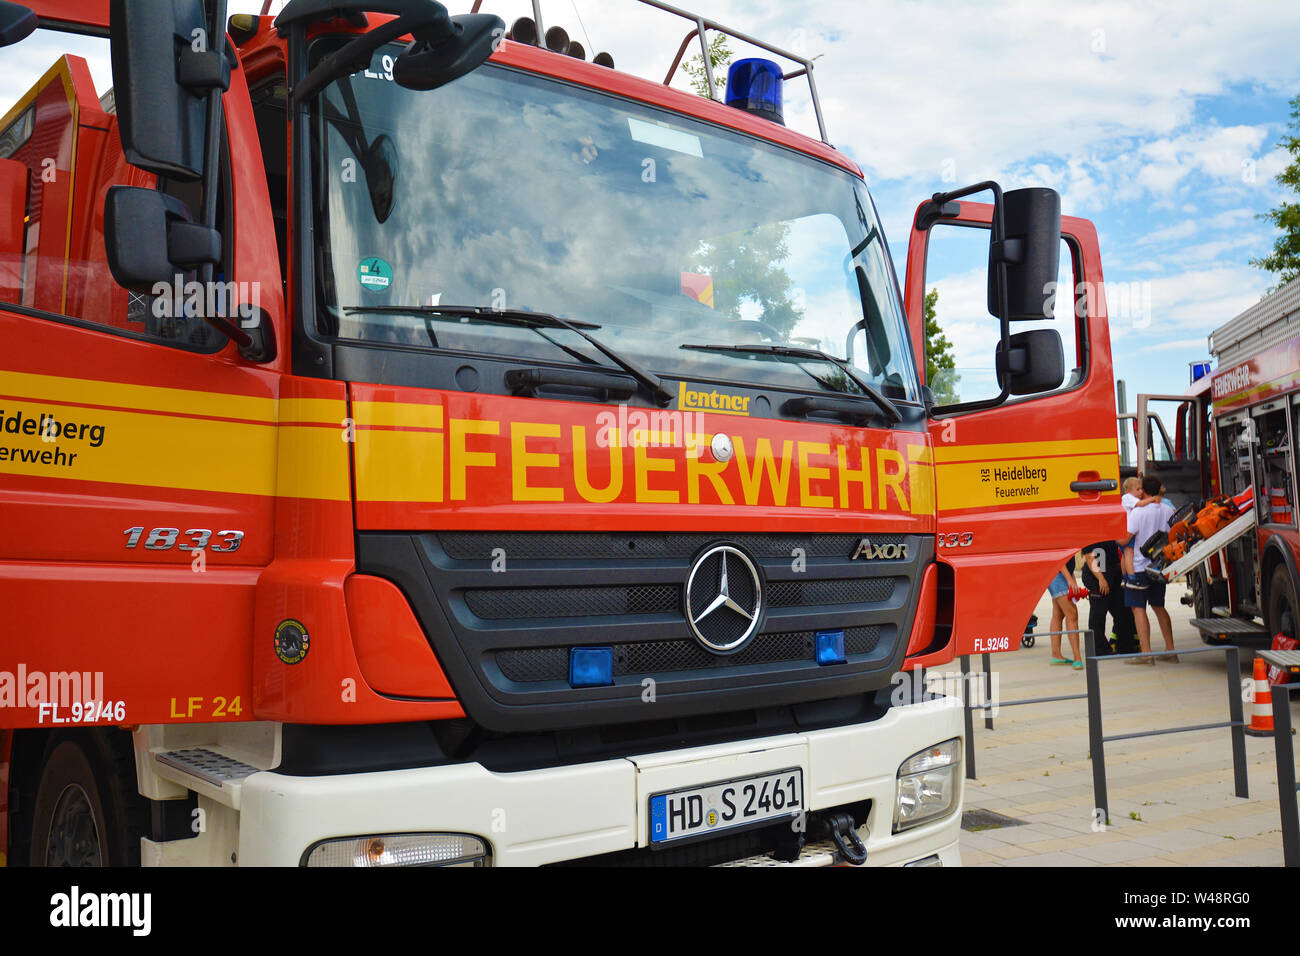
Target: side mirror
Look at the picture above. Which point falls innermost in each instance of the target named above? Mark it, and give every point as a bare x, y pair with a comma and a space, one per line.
149, 238
16, 23
1035, 362
445, 48
163, 68
1031, 249
13, 214
434, 60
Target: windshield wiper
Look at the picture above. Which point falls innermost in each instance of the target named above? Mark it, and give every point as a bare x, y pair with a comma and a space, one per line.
533, 320
793, 351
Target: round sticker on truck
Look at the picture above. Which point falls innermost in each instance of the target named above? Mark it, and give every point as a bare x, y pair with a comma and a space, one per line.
374, 274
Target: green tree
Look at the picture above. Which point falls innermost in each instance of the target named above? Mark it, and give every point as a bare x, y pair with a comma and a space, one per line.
747, 266
940, 366
719, 57
1285, 258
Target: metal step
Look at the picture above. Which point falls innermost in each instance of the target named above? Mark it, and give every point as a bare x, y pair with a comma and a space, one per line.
1288, 660
813, 854
205, 771
1229, 628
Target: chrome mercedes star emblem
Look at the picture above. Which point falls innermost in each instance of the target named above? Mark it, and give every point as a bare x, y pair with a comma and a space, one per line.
723, 616
721, 447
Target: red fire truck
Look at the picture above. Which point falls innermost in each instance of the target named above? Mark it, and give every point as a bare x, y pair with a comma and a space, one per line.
422, 445
1234, 433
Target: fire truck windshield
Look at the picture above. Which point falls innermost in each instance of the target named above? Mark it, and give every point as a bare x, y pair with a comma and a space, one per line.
509, 191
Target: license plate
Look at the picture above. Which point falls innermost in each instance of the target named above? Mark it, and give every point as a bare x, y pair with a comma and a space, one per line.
695, 811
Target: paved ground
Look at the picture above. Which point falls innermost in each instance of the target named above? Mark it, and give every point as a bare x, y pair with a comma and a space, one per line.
1171, 797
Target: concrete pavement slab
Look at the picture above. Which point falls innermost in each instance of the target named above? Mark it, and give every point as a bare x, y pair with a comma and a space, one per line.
1178, 788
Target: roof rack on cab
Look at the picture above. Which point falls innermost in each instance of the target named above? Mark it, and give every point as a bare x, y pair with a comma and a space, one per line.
756, 100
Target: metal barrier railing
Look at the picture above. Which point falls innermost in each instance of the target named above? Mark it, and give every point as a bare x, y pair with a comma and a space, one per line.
1097, 741
989, 705
1286, 785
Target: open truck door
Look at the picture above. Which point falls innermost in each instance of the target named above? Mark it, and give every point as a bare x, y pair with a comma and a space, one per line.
1026, 465
1172, 441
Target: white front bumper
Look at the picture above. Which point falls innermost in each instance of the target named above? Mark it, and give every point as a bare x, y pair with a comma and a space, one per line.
564, 813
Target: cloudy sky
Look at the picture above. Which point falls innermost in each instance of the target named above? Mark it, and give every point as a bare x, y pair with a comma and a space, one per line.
1156, 120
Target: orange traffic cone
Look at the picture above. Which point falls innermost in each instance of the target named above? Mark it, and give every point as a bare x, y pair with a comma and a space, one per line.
1261, 716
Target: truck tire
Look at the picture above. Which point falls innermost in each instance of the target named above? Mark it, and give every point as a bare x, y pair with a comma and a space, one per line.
1200, 594
87, 811
1282, 604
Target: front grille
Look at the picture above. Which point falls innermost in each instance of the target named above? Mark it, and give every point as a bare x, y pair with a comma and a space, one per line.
657, 657
528, 603
503, 604
503, 611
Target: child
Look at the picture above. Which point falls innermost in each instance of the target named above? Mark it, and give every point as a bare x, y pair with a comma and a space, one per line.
1133, 498
1132, 491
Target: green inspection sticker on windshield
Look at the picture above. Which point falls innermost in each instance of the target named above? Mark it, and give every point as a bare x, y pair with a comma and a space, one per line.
374, 274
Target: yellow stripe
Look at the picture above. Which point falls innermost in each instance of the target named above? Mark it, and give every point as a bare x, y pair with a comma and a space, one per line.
180, 401
388, 414
321, 411
920, 474
140, 449
313, 463
177, 450
1279, 382
399, 466
965, 485
1031, 449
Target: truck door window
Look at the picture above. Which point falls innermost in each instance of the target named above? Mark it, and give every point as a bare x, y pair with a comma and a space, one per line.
963, 338
1128, 441
61, 125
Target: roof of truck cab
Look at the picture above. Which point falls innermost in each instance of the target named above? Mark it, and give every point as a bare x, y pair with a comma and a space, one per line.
94, 14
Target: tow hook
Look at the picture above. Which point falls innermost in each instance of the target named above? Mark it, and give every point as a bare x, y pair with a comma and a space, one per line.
845, 837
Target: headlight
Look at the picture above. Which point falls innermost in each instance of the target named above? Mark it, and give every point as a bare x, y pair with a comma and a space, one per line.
927, 784
400, 849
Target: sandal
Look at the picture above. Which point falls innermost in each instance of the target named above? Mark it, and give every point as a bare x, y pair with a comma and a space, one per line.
1077, 665
1142, 661
1059, 660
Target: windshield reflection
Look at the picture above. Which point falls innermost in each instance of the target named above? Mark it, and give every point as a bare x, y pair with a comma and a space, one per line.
510, 191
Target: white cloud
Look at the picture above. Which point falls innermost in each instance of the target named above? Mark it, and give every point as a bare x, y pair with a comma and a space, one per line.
1192, 343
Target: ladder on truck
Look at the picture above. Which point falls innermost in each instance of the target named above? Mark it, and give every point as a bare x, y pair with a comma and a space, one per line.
1222, 627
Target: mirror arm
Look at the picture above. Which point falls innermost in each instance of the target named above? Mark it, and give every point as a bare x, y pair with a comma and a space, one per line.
206, 71
217, 80
934, 210
1009, 250
938, 208
357, 54
1013, 361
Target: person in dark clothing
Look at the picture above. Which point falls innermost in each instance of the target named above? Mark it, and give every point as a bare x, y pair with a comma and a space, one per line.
1103, 577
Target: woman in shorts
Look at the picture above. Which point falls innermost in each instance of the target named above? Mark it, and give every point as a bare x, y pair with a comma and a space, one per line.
1064, 612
